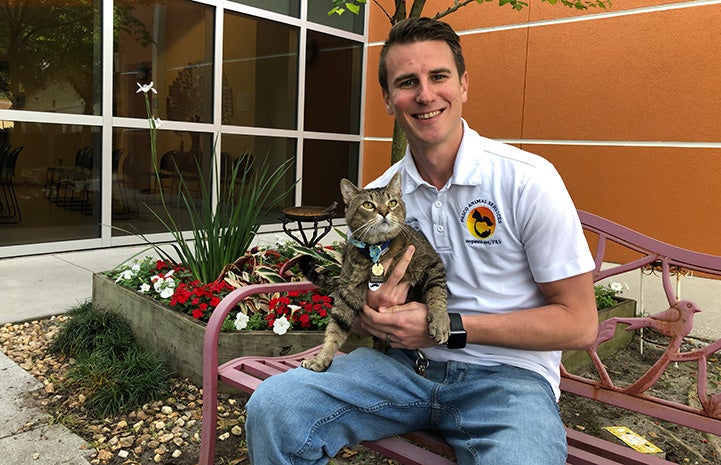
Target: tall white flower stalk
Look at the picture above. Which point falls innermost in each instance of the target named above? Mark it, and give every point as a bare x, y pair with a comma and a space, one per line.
154, 123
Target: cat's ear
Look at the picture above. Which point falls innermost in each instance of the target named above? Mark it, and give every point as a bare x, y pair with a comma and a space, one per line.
348, 190
395, 184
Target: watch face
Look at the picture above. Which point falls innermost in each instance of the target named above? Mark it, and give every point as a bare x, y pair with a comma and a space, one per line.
457, 339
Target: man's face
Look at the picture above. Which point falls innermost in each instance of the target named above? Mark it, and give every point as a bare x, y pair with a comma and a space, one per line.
425, 94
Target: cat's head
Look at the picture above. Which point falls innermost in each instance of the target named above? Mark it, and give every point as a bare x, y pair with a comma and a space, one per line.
374, 215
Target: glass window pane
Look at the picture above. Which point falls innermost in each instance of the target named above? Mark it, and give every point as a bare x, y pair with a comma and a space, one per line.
260, 68
139, 195
329, 161
318, 13
171, 44
333, 84
272, 151
286, 7
52, 189
51, 56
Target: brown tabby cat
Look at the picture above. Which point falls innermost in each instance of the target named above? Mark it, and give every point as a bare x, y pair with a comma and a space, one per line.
376, 218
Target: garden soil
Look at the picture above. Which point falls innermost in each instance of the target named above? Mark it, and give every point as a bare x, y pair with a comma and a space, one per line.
168, 431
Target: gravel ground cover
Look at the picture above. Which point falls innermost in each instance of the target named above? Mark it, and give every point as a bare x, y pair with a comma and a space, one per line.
166, 431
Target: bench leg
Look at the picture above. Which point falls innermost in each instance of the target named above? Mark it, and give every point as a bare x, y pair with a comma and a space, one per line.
209, 422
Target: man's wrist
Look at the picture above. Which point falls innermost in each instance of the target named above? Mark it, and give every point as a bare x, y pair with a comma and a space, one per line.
457, 337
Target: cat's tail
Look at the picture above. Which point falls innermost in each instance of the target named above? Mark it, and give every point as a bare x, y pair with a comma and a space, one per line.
317, 272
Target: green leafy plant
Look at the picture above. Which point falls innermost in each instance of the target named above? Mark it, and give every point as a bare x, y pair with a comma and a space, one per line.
606, 294
114, 372
218, 235
89, 330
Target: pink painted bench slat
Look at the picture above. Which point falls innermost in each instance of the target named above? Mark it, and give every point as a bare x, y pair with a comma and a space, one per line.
425, 448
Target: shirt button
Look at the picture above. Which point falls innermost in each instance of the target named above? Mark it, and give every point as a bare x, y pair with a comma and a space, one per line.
440, 229
438, 204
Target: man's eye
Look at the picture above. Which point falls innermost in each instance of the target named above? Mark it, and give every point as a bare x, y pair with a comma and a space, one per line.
368, 205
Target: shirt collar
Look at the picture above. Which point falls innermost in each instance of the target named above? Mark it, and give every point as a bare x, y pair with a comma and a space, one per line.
462, 168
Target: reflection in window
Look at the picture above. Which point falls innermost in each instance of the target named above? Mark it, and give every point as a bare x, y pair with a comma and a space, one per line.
171, 44
50, 56
258, 150
51, 190
286, 7
329, 161
318, 13
333, 83
260, 62
139, 194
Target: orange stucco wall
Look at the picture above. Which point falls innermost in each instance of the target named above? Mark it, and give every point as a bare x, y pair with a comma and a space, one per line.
620, 103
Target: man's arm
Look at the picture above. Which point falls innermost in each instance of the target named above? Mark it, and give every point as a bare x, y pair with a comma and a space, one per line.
568, 321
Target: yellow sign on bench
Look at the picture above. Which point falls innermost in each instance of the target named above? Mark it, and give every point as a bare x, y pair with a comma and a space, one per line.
634, 440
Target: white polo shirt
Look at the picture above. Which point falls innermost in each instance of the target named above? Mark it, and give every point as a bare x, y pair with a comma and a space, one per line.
501, 224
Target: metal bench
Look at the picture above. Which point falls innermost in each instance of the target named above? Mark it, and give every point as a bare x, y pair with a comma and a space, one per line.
419, 448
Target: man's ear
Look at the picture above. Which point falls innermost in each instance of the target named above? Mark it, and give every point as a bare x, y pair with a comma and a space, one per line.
387, 101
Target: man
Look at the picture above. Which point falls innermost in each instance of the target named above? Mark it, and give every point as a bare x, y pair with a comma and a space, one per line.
520, 291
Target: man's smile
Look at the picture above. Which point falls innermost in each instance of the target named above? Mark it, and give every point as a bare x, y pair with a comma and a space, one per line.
428, 115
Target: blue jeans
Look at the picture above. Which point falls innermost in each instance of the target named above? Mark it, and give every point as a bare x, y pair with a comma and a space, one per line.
498, 415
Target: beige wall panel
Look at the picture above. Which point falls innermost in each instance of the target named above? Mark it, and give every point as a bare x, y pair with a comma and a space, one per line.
378, 123
670, 194
653, 76
496, 67
376, 159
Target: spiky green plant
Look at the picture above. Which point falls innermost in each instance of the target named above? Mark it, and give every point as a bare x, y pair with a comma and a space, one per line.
218, 235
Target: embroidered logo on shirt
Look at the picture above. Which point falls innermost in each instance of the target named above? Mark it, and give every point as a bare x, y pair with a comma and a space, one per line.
481, 217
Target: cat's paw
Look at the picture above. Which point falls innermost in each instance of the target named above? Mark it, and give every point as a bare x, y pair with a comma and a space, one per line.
315, 364
439, 327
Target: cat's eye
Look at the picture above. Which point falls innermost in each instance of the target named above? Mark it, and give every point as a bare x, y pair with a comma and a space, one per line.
392, 203
368, 205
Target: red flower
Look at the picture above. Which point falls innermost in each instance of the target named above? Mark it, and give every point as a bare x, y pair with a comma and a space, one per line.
197, 314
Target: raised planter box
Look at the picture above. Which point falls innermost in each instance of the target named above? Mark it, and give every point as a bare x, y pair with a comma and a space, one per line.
179, 337
575, 360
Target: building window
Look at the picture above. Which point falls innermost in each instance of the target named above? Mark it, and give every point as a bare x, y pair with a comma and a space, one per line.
171, 45
50, 56
52, 189
82, 171
260, 72
332, 84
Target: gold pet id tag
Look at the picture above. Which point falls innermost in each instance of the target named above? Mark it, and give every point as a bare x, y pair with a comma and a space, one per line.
377, 277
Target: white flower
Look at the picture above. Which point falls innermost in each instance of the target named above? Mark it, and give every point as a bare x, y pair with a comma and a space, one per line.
241, 321
125, 275
144, 288
293, 308
281, 325
167, 292
616, 287
146, 88
135, 268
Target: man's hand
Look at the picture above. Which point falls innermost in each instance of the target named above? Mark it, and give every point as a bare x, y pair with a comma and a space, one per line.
387, 316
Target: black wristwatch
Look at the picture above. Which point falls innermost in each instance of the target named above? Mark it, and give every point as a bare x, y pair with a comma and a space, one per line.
457, 338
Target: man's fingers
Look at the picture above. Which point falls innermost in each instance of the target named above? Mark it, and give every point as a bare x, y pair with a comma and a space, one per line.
400, 270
